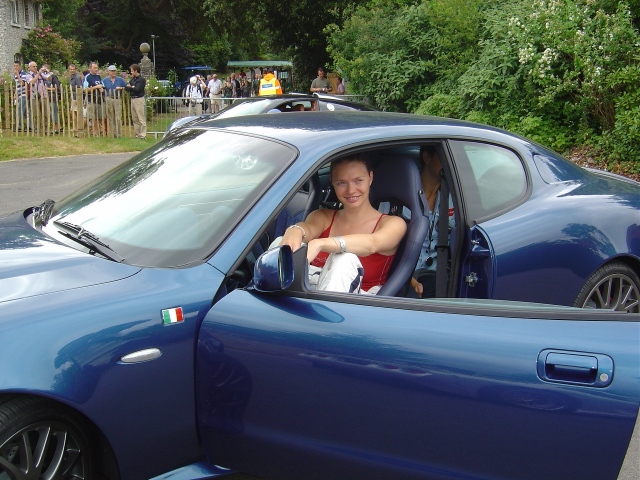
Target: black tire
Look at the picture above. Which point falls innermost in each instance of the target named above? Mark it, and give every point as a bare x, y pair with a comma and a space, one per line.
614, 286
39, 439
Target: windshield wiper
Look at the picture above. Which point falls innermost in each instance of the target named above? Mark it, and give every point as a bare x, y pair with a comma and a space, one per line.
89, 240
42, 213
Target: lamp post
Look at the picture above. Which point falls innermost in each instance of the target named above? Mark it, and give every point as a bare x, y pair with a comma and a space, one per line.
153, 44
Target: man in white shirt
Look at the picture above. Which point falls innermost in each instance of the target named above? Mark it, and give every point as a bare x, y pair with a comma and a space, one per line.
193, 93
215, 93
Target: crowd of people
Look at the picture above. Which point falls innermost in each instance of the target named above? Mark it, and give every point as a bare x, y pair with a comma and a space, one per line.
221, 92
95, 100
240, 85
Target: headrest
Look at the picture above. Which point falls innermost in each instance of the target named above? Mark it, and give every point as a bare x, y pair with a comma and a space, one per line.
396, 178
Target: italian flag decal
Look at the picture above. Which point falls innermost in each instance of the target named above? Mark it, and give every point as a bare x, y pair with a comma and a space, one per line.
172, 315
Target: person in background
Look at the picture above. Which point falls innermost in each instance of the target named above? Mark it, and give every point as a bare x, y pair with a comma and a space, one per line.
195, 93
235, 79
321, 84
75, 81
256, 84
215, 93
424, 277
270, 85
138, 107
38, 96
113, 87
227, 91
340, 90
54, 90
95, 92
21, 78
245, 88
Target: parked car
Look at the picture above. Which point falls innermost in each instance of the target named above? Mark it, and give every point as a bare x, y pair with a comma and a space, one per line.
291, 102
148, 331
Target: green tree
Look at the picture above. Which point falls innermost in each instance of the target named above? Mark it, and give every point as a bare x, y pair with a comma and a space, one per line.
294, 33
210, 49
400, 53
63, 16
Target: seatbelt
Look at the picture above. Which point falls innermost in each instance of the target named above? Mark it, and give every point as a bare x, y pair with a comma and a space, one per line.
442, 248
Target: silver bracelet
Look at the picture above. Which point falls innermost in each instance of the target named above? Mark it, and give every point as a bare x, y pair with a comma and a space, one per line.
304, 233
335, 240
343, 245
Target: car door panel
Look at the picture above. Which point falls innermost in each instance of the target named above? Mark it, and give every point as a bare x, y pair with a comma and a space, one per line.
478, 266
339, 390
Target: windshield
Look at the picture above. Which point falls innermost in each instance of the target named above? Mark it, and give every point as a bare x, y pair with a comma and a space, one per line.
172, 204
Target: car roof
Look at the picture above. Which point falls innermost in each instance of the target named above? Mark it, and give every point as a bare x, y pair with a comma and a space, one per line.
350, 127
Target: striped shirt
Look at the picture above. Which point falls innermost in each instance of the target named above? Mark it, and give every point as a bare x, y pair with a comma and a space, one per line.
21, 82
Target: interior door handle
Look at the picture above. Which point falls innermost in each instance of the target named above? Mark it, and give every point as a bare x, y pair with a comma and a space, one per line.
578, 368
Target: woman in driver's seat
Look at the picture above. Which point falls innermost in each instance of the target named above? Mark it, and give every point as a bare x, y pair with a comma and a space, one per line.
350, 250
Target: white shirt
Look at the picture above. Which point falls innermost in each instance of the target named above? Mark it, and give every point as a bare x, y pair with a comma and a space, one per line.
215, 86
193, 92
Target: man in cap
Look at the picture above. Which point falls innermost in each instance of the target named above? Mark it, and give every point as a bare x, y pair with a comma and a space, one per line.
193, 94
215, 93
113, 87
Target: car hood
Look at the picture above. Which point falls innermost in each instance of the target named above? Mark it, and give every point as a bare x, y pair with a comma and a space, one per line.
33, 264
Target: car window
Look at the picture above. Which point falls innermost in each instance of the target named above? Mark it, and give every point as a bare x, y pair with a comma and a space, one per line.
297, 106
492, 177
239, 109
331, 106
172, 204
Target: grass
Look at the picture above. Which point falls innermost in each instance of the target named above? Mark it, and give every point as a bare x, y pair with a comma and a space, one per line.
29, 146
15, 147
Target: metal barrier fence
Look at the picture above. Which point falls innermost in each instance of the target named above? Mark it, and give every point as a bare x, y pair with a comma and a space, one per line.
71, 112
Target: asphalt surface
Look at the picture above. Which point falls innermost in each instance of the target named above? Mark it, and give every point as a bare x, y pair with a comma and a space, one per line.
24, 183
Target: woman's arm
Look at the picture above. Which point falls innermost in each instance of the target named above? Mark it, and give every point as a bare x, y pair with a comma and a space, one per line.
385, 240
310, 229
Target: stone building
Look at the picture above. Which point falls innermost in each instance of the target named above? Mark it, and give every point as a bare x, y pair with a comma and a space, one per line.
17, 17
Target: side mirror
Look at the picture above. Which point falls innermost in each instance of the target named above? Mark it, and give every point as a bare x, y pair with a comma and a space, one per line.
273, 270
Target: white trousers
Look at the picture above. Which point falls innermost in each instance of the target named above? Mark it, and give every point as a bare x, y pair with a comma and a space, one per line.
342, 272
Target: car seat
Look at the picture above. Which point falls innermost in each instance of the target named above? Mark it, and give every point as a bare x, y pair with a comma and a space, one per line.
397, 180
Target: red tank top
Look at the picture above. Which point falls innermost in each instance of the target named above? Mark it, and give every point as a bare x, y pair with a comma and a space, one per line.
376, 266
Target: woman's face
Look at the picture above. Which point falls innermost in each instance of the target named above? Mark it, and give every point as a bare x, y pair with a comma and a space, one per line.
351, 182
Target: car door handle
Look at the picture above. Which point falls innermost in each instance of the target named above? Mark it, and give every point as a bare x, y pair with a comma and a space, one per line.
578, 368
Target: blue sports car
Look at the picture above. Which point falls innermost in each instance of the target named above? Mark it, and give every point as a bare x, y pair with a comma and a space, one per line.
149, 330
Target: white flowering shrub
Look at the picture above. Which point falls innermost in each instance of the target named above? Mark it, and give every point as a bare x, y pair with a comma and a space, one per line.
550, 69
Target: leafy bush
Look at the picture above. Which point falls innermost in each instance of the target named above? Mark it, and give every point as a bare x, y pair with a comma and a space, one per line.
564, 73
393, 51
43, 45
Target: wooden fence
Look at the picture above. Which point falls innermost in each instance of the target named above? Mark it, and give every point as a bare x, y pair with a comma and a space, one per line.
64, 112
59, 113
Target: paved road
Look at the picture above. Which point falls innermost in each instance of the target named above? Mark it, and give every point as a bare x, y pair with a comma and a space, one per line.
24, 183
